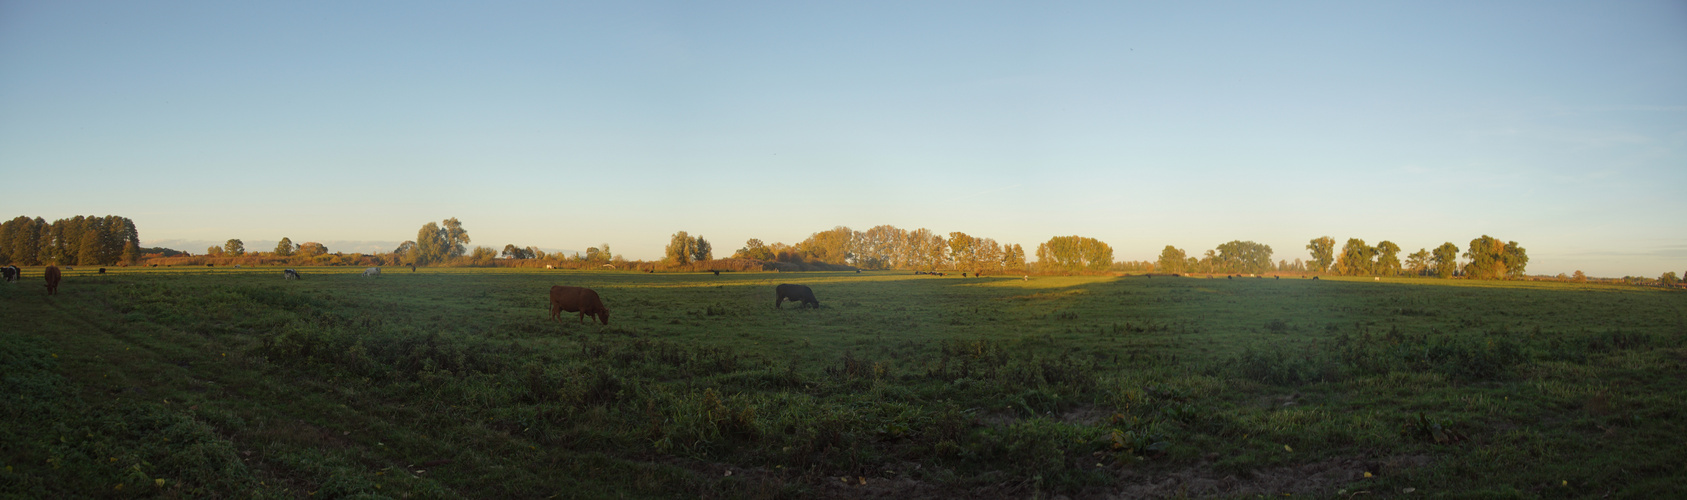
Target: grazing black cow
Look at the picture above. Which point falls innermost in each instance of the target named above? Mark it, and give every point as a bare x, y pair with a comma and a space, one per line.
796, 293
412, 268
1229, 277
210, 265
717, 273
102, 270
9, 274
963, 275
1314, 277
289, 274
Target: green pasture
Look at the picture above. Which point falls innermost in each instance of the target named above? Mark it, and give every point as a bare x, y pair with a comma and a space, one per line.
453, 383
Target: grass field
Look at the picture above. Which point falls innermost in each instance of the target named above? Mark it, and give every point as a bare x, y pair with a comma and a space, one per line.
447, 383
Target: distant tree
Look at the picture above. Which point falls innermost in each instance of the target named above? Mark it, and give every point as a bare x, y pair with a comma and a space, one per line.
1074, 253
1172, 260
311, 249
680, 248
1356, 258
880, 247
514, 252
754, 249
1243, 257
431, 244
1388, 260
131, 253
830, 246
1323, 253
1491, 260
701, 250
456, 238
214, 251
20, 240
1446, 260
963, 250
406, 251
989, 255
1013, 257
938, 252
921, 245
1418, 262
234, 247
1579, 277
284, 248
1668, 279
1516, 260
88, 251
482, 256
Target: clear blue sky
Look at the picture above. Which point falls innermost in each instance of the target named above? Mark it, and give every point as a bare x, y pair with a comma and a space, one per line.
1560, 125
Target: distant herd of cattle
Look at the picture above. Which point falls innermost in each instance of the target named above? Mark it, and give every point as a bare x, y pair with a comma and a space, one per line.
563, 298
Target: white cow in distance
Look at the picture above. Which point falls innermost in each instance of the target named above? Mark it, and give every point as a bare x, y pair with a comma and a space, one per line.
373, 271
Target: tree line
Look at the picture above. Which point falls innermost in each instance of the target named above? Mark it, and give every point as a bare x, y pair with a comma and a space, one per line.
80, 240
1487, 258
889, 247
110, 240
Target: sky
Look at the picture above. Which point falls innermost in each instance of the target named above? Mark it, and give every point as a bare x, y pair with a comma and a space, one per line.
564, 125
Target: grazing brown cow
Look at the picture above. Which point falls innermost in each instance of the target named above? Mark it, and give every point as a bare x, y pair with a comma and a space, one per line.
797, 293
575, 299
53, 280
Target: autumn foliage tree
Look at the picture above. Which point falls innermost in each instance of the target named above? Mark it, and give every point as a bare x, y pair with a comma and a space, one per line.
311, 249
681, 247
79, 240
754, 249
1491, 259
1356, 258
